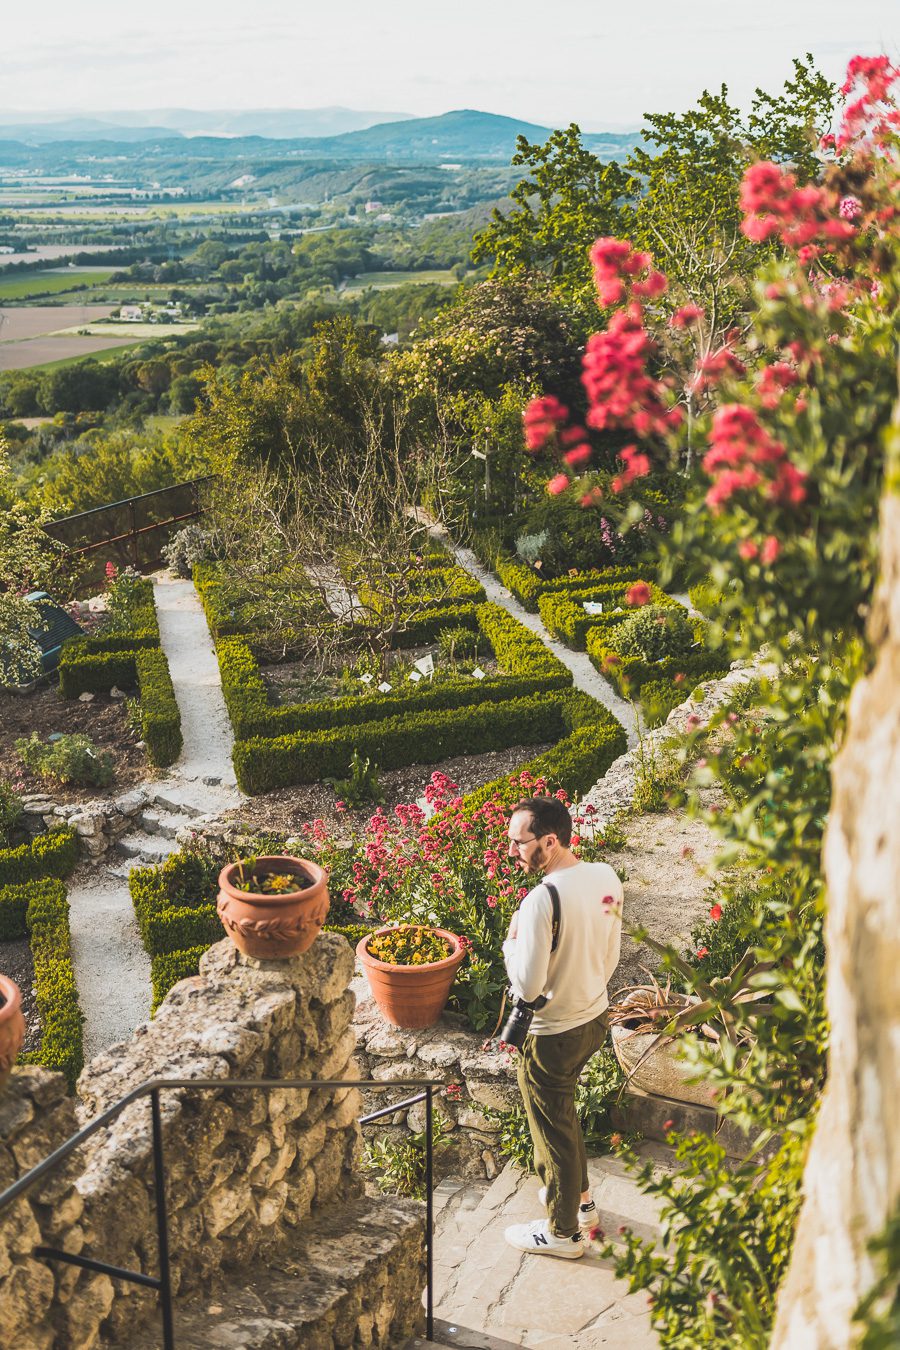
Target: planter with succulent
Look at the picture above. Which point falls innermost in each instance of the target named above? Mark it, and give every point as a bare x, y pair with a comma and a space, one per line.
12, 1026
273, 907
410, 969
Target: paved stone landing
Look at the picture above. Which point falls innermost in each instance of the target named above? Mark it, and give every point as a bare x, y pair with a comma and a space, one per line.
490, 1297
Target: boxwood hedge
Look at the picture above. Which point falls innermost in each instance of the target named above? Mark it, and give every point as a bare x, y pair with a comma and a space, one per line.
528, 586
43, 907
564, 615
53, 854
630, 673
82, 669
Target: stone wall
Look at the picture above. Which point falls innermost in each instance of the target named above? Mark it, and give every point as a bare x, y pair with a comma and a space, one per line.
98, 823
451, 1053
247, 1172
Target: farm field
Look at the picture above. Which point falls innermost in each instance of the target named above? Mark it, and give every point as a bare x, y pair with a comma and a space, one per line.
48, 283
382, 281
43, 351
56, 251
138, 330
17, 325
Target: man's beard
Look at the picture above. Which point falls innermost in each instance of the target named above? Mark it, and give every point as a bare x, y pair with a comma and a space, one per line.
538, 860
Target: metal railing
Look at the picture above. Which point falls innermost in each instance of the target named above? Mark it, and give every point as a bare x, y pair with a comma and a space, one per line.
118, 521
152, 1088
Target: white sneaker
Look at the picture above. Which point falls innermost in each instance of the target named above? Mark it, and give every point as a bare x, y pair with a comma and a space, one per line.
587, 1214
536, 1237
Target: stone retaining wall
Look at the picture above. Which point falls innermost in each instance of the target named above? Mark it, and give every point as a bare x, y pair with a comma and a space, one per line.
98, 823
245, 1171
450, 1052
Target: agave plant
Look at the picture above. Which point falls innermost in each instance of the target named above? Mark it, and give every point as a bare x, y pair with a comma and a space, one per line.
715, 1007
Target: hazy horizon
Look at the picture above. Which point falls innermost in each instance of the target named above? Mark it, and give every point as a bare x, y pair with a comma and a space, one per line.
602, 70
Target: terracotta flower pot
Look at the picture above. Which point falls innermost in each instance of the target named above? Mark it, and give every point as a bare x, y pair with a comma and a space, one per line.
411, 997
663, 1073
274, 927
12, 1026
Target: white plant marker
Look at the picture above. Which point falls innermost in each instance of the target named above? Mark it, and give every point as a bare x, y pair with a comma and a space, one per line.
425, 664
367, 678
384, 687
415, 676
478, 673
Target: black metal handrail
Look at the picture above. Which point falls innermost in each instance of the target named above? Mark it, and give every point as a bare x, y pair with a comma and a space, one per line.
152, 1088
128, 501
59, 529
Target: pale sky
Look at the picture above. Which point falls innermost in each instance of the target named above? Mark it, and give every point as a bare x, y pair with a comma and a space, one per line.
597, 62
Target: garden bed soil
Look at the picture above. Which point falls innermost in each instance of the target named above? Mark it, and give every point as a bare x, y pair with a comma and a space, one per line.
298, 681
289, 809
16, 964
42, 710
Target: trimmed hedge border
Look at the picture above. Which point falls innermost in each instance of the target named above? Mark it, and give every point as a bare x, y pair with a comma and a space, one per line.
42, 912
53, 854
531, 668
433, 588
84, 670
167, 969
564, 615
528, 586
628, 674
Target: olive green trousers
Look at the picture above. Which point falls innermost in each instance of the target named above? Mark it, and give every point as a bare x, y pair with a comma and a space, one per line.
548, 1070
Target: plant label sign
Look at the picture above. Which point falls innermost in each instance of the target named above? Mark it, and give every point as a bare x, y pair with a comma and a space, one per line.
425, 664
415, 676
592, 606
384, 687
367, 678
478, 673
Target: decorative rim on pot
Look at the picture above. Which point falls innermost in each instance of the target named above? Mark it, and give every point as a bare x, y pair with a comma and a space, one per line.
455, 957
311, 872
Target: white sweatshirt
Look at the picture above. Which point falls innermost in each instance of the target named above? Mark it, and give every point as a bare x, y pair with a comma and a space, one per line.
587, 953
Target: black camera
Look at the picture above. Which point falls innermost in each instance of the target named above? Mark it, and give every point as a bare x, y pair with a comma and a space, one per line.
517, 1025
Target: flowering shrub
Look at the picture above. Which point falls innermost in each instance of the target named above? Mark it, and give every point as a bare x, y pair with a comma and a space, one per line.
781, 514
655, 632
450, 871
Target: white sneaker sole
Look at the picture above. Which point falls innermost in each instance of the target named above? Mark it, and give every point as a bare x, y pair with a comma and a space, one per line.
571, 1253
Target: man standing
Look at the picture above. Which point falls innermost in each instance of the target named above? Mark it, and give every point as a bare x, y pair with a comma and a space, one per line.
572, 1026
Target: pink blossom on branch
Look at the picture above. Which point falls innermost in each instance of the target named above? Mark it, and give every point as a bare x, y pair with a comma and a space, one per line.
774, 206
541, 418
687, 316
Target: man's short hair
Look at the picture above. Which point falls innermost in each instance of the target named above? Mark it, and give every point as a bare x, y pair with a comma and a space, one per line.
548, 816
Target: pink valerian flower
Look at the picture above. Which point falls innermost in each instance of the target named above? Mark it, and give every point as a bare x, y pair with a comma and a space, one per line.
740, 447
637, 465
748, 549
773, 381
614, 374
542, 416
701, 952
558, 484
715, 913
775, 206
770, 550
849, 208
872, 116
638, 594
687, 316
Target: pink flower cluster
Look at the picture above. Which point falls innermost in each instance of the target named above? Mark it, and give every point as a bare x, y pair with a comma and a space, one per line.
618, 269
743, 456
542, 417
872, 116
802, 217
620, 392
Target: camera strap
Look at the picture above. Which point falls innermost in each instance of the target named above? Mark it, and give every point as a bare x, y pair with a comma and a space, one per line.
554, 927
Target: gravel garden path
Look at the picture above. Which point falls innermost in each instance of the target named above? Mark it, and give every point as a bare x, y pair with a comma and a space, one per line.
584, 676
112, 969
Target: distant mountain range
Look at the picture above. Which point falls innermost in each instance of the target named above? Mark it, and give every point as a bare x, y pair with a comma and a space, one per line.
464, 135
273, 123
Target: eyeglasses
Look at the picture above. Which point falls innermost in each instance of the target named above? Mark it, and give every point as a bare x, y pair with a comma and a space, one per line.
517, 843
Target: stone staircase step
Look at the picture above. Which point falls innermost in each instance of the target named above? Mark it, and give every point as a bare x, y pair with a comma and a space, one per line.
164, 822
355, 1276
151, 848
178, 801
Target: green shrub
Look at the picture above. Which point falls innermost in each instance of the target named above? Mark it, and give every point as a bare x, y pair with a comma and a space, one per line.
630, 673
457, 644
53, 854
13, 906
84, 670
564, 615
519, 651
168, 968
706, 597
525, 584
656, 632
160, 717
56, 995
10, 812
174, 903
70, 759
424, 626
658, 698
